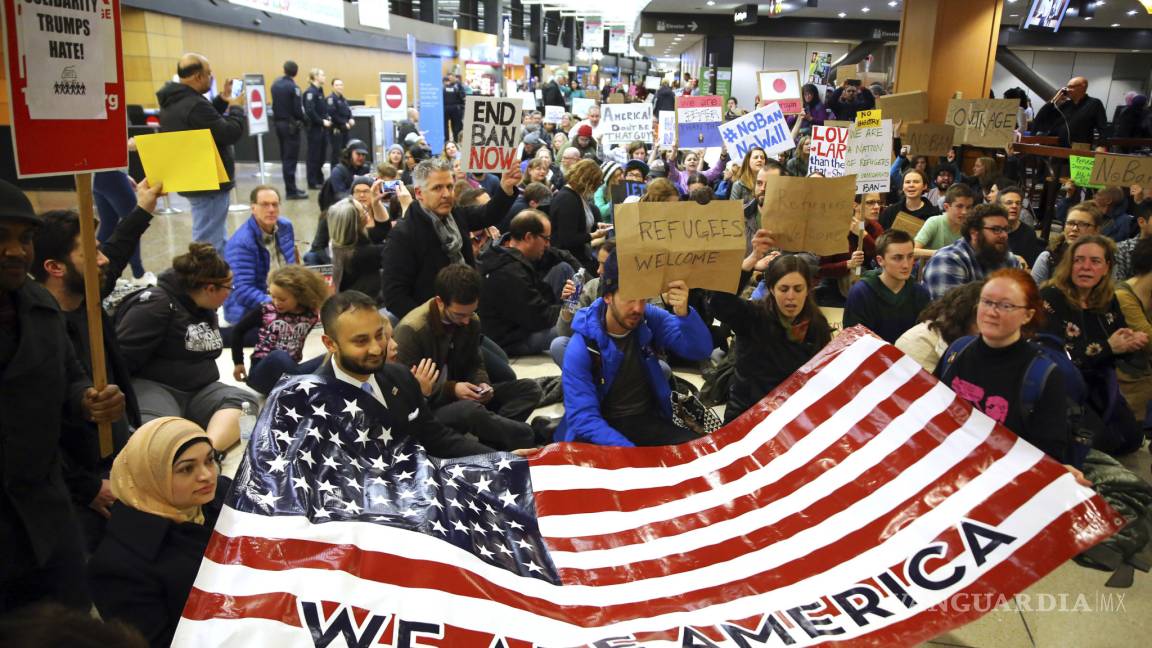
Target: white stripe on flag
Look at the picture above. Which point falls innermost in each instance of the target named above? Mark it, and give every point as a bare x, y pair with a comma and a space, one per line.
569, 477
419, 604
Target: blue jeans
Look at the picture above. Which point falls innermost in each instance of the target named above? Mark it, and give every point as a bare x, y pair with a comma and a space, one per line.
266, 372
210, 217
115, 199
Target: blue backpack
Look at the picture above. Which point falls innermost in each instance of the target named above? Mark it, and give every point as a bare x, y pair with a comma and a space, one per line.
1050, 356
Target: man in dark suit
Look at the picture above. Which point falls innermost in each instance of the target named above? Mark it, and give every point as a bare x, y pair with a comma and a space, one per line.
434, 233
41, 380
357, 336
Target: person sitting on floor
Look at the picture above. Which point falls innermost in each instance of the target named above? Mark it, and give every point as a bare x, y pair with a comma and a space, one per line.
615, 392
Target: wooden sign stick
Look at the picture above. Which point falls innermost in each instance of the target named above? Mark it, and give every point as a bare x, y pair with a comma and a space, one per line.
92, 299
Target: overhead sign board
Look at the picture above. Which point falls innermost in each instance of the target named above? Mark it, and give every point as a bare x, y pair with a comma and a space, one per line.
745, 15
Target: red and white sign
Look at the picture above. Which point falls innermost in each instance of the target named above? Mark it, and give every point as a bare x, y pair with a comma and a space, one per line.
393, 96
829, 151
783, 87
257, 104
56, 129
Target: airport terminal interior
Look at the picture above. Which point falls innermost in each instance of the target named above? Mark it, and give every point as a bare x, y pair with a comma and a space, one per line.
1028, 118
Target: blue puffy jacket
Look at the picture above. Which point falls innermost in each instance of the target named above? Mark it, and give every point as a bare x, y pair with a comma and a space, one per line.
250, 263
687, 337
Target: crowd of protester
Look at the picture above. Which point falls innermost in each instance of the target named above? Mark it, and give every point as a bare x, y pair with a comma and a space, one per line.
443, 275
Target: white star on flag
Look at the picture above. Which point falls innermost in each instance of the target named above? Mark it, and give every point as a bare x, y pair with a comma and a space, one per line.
330, 462
291, 413
482, 485
267, 499
351, 408
277, 464
300, 482
362, 437
504, 464
318, 410
306, 457
327, 487
508, 498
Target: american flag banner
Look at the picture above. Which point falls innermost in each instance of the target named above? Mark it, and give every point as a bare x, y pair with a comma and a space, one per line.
851, 506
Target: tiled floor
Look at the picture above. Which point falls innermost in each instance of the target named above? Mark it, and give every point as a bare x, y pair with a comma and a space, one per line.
1069, 608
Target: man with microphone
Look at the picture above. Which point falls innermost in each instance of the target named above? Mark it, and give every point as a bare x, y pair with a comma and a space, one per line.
1073, 115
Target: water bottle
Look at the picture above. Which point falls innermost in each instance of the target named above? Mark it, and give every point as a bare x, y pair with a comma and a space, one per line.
572, 304
247, 421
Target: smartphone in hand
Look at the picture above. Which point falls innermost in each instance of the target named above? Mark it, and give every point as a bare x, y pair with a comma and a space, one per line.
237, 88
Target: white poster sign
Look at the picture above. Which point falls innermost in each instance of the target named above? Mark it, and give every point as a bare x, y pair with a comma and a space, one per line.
491, 134
652, 82
393, 96
869, 157
553, 114
581, 106
829, 148
257, 103
624, 123
527, 99
63, 51
765, 127
667, 129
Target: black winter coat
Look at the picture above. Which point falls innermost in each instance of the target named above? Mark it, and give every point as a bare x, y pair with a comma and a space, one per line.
167, 338
413, 254
514, 301
570, 226
144, 568
40, 383
182, 108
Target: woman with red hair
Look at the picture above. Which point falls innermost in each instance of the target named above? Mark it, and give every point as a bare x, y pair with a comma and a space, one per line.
989, 369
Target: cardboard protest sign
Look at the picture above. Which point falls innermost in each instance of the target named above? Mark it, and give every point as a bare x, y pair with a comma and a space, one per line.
1081, 171
661, 242
616, 98
868, 118
698, 121
553, 114
869, 157
904, 106
809, 214
182, 160
581, 105
838, 123
906, 222
620, 192
667, 133
782, 87
765, 128
1122, 170
491, 134
845, 72
625, 123
983, 122
929, 139
829, 149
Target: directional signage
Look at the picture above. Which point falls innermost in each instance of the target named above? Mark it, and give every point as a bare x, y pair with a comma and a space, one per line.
257, 104
393, 96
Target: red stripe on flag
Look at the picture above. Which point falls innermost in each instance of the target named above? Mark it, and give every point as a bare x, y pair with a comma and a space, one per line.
273, 606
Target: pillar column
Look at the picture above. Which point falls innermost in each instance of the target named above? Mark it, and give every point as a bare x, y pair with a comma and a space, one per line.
947, 47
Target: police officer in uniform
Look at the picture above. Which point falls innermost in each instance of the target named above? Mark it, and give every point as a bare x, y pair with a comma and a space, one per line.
316, 114
341, 115
453, 107
288, 117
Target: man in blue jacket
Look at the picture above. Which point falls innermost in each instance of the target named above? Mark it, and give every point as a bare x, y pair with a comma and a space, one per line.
263, 243
615, 392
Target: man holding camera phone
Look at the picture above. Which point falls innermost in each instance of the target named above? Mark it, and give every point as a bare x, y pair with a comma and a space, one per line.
1073, 115
183, 107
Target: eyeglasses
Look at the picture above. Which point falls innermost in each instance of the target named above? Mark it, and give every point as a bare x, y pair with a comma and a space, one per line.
997, 229
1003, 307
1079, 225
547, 239
223, 286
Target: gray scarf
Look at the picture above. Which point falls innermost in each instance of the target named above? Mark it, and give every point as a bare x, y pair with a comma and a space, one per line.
450, 239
